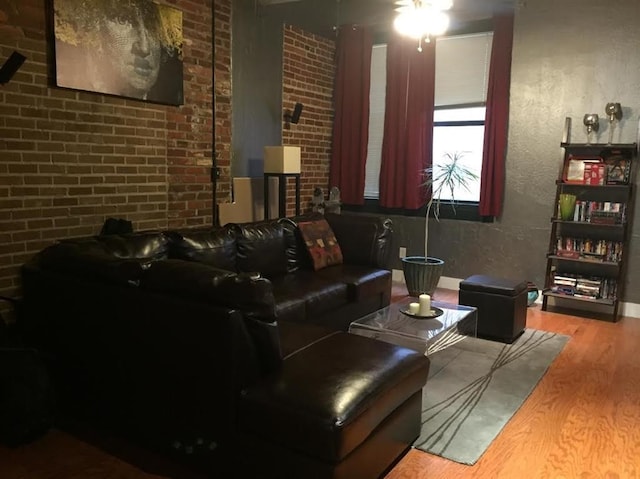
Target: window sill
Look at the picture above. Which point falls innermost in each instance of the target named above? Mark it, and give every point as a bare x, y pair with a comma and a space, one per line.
464, 210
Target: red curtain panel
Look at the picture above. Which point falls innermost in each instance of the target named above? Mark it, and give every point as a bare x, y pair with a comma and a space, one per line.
408, 124
497, 118
351, 123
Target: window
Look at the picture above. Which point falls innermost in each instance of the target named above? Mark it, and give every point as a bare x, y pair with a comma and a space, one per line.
377, 95
460, 131
462, 71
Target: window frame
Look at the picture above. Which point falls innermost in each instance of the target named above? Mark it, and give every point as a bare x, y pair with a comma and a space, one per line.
464, 210
458, 210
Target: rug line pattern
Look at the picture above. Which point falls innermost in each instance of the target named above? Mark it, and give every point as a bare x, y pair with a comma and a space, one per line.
473, 392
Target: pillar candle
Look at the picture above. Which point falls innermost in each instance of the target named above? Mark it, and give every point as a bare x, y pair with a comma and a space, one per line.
425, 304
414, 308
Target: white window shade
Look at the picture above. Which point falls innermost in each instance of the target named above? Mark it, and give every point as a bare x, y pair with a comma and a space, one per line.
462, 69
377, 95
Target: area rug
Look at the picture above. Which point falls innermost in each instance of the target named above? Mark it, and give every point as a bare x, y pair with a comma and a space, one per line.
475, 386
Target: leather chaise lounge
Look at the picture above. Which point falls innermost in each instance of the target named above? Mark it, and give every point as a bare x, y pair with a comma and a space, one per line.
229, 337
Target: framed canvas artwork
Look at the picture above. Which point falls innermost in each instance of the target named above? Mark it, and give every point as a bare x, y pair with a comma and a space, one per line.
128, 48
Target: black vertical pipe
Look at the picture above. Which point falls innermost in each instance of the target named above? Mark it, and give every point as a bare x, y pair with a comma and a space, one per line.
214, 154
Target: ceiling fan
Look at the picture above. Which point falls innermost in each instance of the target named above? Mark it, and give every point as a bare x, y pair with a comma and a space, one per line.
422, 19
403, 5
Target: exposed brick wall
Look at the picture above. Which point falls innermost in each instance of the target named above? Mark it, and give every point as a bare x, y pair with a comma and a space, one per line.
308, 75
69, 159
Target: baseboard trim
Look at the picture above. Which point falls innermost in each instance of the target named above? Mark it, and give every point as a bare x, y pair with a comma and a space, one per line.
628, 310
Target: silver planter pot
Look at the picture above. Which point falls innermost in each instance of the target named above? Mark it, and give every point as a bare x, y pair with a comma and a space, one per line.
422, 276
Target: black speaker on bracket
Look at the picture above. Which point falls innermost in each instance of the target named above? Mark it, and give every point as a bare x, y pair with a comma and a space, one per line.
297, 111
295, 116
11, 66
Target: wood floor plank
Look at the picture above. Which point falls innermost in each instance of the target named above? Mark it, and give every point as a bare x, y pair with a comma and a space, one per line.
581, 421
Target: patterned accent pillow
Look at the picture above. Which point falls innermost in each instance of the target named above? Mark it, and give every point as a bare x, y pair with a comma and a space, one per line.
321, 243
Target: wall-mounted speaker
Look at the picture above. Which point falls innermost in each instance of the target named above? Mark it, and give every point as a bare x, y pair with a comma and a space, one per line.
297, 111
295, 116
11, 66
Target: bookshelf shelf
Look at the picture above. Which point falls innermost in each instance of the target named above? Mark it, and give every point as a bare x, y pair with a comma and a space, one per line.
606, 302
610, 264
586, 262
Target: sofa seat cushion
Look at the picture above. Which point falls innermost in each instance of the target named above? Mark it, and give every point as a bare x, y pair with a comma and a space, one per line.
328, 410
362, 281
304, 294
296, 335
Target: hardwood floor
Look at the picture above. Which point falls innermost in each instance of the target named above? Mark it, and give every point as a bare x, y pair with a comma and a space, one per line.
582, 421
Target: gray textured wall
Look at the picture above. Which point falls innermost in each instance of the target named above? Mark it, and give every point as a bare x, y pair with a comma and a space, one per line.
570, 58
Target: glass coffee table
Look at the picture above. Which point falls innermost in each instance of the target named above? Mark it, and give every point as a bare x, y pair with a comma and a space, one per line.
452, 324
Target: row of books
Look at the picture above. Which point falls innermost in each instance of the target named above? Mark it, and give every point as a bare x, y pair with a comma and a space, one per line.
604, 212
586, 248
591, 287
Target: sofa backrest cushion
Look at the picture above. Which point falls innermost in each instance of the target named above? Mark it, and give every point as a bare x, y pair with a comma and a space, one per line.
151, 246
296, 251
212, 246
262, 248
377, 231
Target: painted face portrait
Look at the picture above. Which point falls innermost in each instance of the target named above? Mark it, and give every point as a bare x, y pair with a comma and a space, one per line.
129, 48
132, 47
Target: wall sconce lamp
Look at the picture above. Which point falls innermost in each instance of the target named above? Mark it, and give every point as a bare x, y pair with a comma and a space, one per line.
295, 116
11, 66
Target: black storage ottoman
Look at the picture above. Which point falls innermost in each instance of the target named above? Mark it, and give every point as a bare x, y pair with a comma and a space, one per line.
501, 303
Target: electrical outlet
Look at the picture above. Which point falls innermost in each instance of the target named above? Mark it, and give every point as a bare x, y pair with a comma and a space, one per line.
403, 252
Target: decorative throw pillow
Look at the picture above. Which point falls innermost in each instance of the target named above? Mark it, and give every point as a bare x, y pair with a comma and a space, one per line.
321, 243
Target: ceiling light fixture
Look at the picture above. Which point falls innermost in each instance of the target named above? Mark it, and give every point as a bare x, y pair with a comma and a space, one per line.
422, 19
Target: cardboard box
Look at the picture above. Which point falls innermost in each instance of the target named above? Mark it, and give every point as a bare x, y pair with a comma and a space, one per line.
282, 159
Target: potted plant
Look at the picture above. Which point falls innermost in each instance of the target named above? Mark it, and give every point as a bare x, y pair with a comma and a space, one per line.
422, 273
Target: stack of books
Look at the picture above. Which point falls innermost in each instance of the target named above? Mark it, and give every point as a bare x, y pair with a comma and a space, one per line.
564, 284
588, 288
582, 287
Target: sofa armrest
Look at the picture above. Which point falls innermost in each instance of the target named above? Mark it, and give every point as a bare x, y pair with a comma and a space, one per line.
363, 239
88, 259
249, 292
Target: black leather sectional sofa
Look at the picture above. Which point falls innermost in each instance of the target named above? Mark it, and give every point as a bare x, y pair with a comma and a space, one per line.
222, 347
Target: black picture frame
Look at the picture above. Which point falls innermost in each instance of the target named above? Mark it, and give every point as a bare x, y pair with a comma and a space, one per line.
125, 48
618, 168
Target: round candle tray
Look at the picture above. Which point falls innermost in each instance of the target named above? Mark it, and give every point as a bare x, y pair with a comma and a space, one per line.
435, 312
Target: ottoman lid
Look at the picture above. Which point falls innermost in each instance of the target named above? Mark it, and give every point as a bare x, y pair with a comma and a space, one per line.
492, 284
329, 397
